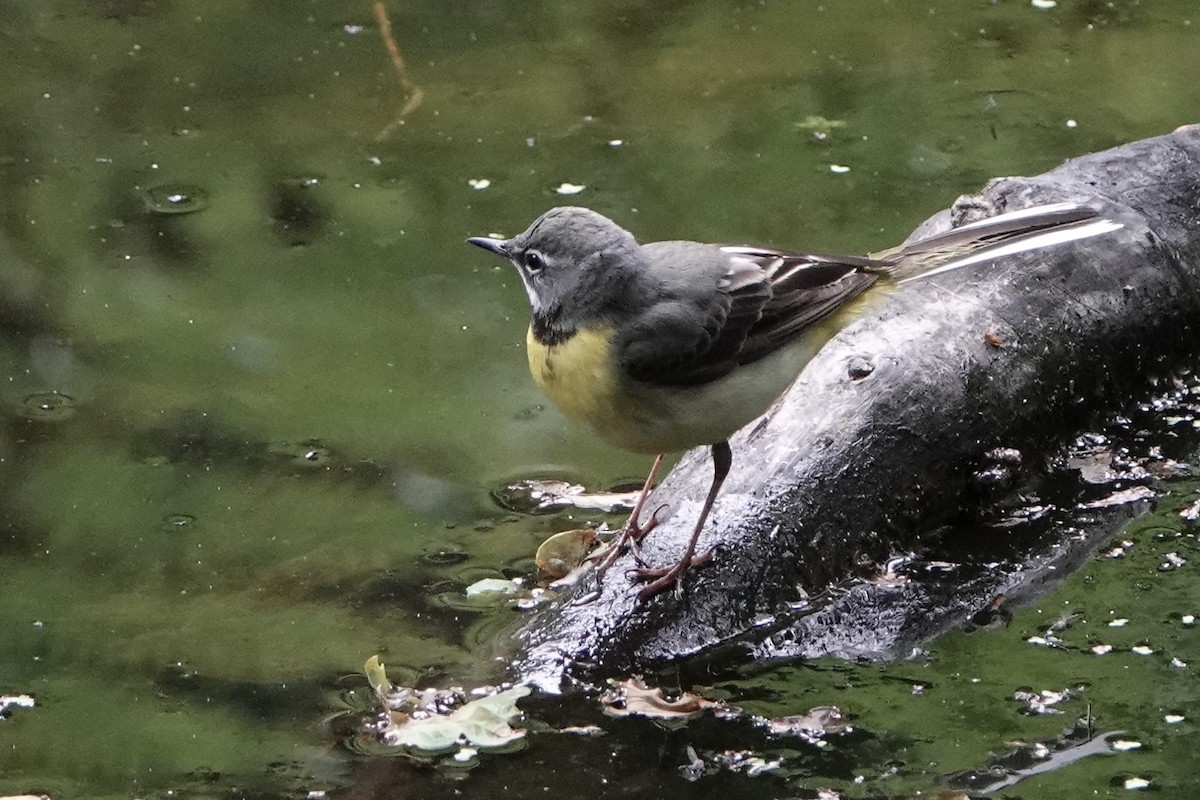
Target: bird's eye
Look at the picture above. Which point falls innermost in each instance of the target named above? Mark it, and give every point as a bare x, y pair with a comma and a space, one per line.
534, 262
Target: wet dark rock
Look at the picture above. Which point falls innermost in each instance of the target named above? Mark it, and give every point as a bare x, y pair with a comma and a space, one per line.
845, 472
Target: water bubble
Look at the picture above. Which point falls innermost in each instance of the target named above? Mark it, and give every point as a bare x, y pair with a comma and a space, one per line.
548, 495
311, 454
177, 522
1171, 561
48, 407
176, 198
443, 555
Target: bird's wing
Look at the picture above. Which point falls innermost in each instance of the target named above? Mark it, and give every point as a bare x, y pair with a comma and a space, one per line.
806, 288
765, 299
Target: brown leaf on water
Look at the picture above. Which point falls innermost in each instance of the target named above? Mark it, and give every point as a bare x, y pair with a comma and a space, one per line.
816, 723
563, 552
1134, 494
633, 697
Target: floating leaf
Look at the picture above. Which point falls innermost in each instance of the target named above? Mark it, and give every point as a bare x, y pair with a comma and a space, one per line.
492, 586
563, 552
815, 724
633, 697
377, 677
482, 723
817, 123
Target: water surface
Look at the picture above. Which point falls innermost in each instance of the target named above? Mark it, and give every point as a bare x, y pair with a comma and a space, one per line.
257, 390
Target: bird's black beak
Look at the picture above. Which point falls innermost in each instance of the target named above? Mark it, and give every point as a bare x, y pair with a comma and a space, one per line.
497, 246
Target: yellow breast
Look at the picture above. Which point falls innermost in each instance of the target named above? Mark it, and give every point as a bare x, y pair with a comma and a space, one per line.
578, 374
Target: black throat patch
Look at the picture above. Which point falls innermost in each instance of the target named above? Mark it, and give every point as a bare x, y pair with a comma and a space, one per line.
548, 331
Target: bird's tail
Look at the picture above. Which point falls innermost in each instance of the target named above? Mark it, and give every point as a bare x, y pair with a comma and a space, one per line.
1002, 235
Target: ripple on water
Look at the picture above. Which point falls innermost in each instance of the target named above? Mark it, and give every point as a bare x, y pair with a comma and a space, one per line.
444, 555
174, 198
177, 522
48, 407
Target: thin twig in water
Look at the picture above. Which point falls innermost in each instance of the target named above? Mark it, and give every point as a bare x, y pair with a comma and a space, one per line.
412, 93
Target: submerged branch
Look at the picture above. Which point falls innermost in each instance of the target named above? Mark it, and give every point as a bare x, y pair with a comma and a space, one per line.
413, 95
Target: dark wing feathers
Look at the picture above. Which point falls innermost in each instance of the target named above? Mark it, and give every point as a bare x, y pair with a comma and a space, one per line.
764, 299
673, 344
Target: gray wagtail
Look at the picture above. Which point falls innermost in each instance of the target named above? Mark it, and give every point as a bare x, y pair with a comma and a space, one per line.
669, 345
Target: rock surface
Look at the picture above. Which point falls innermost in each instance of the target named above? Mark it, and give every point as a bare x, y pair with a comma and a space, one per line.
888, 435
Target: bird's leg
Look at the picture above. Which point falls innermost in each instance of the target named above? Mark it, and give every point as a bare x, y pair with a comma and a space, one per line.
633, 531
664, 578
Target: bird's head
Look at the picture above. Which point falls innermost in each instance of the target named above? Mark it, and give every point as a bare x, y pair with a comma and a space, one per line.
576, 266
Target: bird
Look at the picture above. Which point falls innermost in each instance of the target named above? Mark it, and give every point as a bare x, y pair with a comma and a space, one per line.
666, 346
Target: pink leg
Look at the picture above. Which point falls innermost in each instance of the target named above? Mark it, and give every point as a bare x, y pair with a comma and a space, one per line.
633, 531
665, 578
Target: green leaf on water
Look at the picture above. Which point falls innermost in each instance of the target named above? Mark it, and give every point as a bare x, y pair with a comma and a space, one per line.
377, 676
484, 723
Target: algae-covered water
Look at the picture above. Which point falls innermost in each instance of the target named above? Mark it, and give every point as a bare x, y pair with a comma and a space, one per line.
256, 391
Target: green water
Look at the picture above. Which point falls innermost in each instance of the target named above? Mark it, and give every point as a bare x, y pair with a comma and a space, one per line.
248, 446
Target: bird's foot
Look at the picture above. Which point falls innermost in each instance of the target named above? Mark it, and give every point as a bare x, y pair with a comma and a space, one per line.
662, 579
637, 531
628, 539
